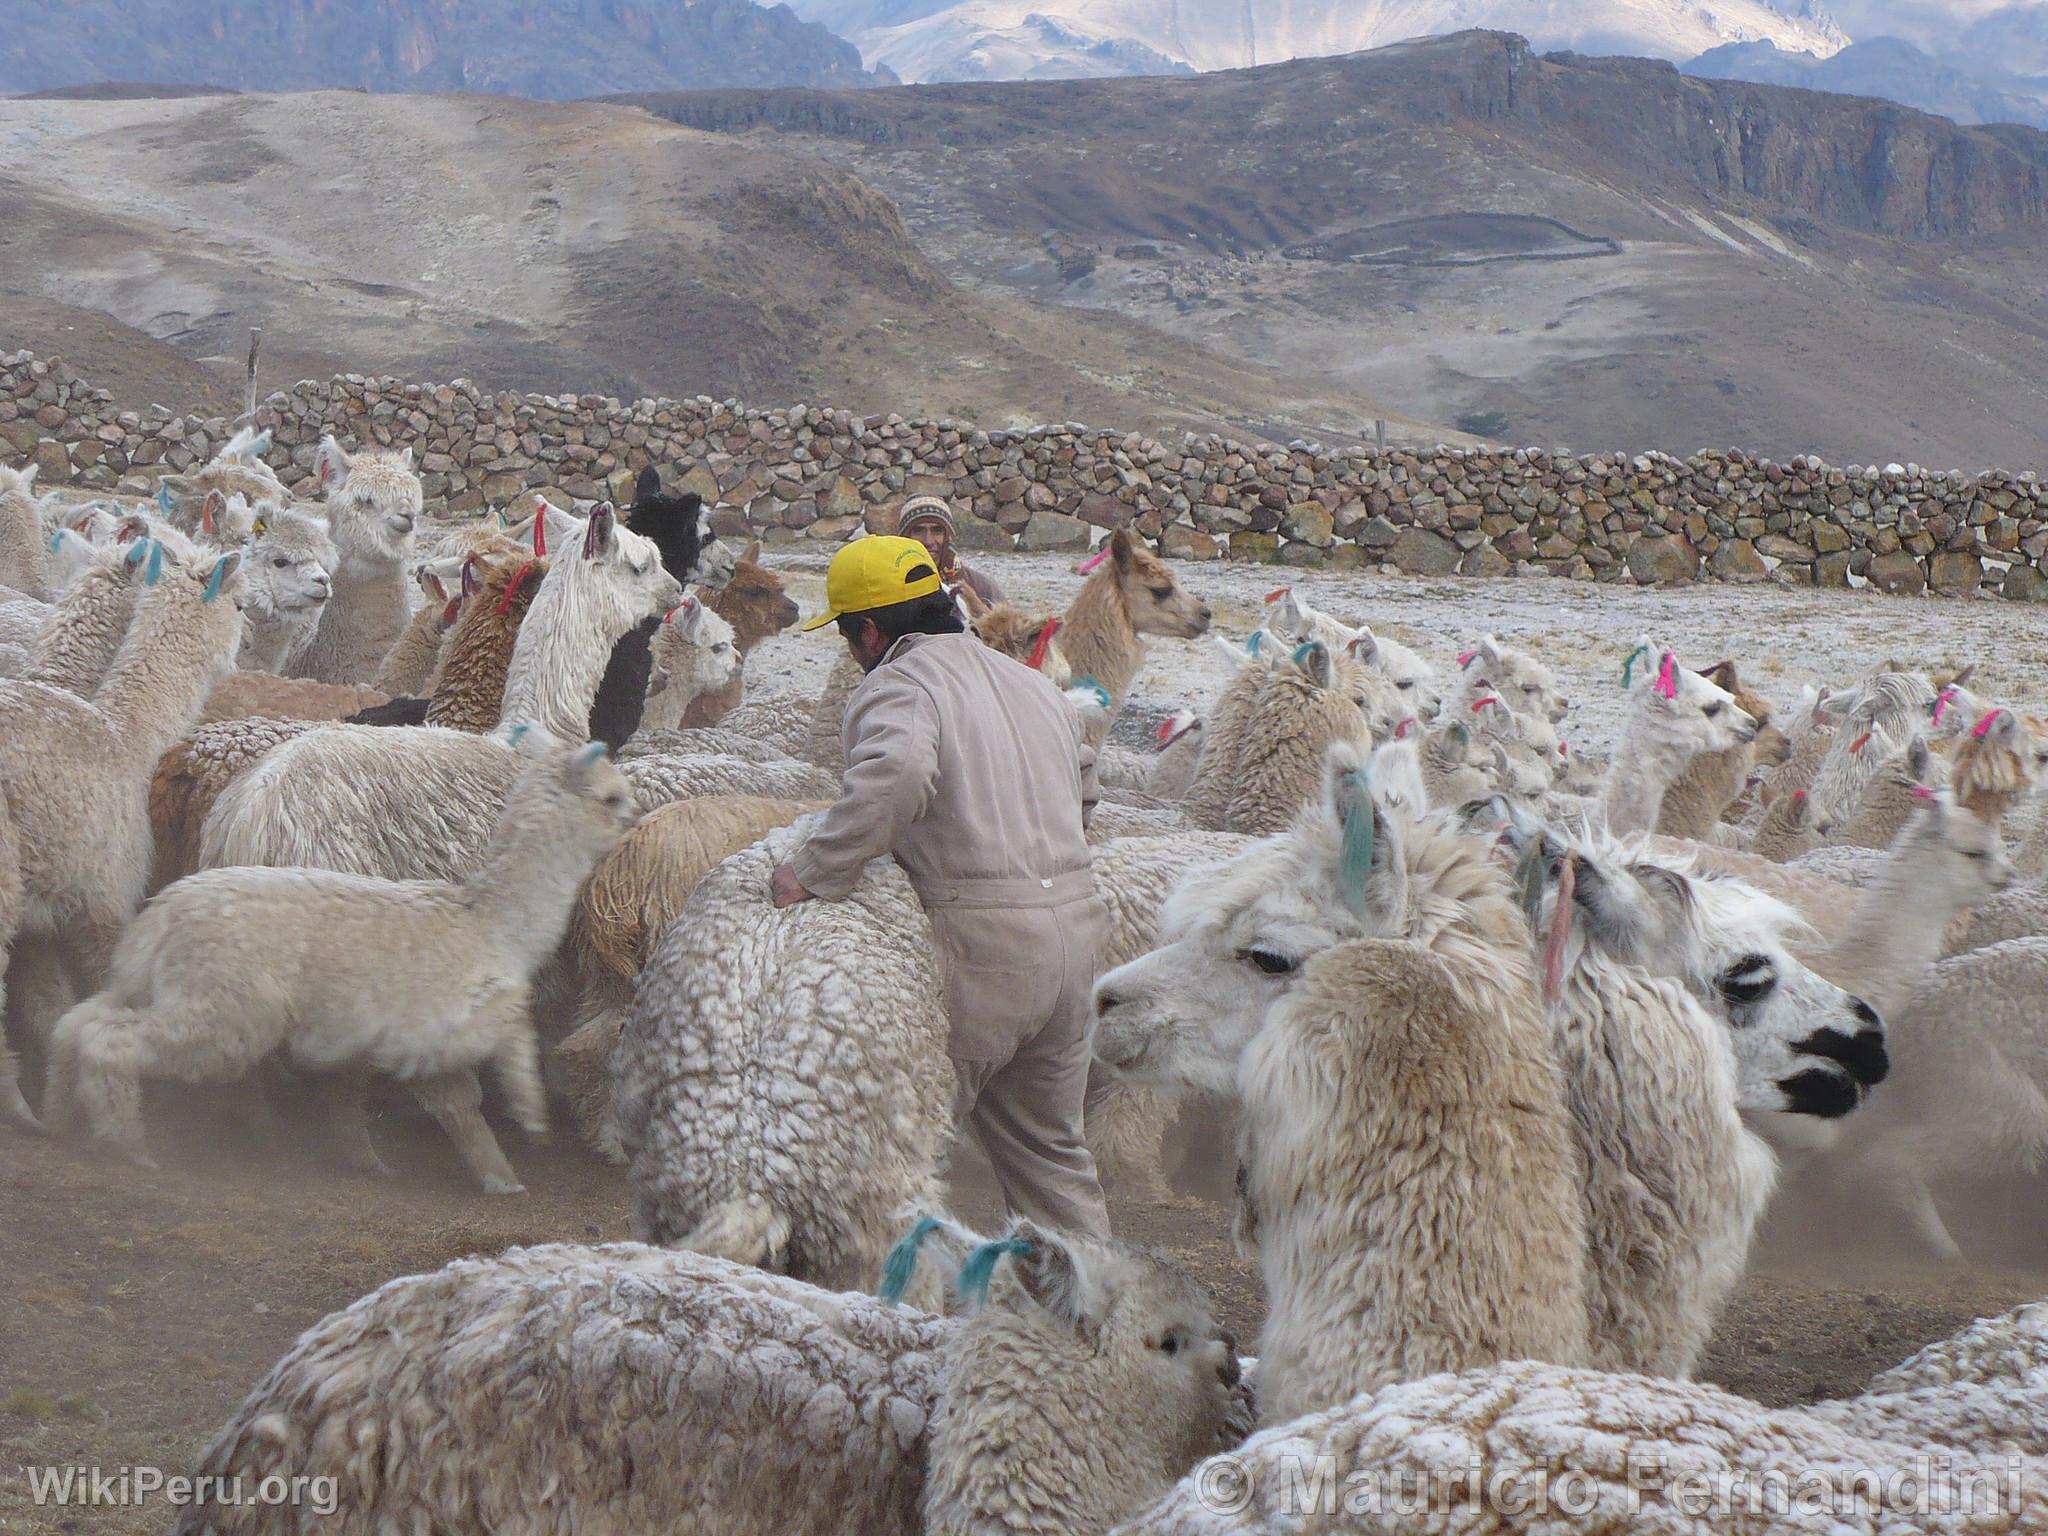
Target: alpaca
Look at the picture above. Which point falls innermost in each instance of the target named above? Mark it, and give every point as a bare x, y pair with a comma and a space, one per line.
466, 686
657, 779
410, 661
1130, 594
373, 499
84, 628
694, 653
1206, 802
1308, 702
289, 566
1889, 799
1995, 766
74, 773
237, 469
192, 775
25, 563
1676, 1008
637, 890
1342, 980
1944, 860
1524, 683
703, 741
747, 1023
778, 720
753, 602
346, 974
1030, 638
2018, 913
1877, 719
1415, 680
1713, 781
1787, 829
1164, 774
824, 743
510, 1393
1673, 714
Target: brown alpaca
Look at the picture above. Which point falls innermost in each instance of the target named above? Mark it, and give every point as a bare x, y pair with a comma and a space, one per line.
242, 694
1019, 635
192, 775
467, 685
756, 606
1131, 593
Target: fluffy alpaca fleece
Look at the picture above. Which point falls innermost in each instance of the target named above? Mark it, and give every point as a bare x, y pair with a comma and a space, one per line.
1943, 860
778, 720
1673, 715
373, 499
74, 774
84, 628
1889, 799
1207, 800
410, 661
694, 652
1315, 698
1019, 635
1660, 1073
25, 563
782, 1087
290, 567
1972, 1091
635, 892
1522, 682
1694, 805
466, 686
192, 774
1994, 767
1786, 830
1984, 1391
1131, 594
2020, 913
246, 695
347, 975
1114, 819
1341, 992
706, 741
1876, 721
777, 1407
753, 602
1508, 1450
824, 743
659, 779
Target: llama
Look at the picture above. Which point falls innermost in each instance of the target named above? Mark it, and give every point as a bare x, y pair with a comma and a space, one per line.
1415, 680
1673, 714
1521, 681
1714, 781
1341, 980
84, 628
348, 975
1129, 594
289, 569
694, 654
373, 499
510, 1392
753, 602
25, 563
74, 774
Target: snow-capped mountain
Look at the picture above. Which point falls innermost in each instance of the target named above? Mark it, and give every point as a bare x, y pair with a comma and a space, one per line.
1012, 39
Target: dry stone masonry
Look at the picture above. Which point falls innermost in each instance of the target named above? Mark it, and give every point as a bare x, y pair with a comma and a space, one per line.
812, 473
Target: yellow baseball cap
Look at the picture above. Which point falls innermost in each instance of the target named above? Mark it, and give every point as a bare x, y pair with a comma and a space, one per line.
878, 571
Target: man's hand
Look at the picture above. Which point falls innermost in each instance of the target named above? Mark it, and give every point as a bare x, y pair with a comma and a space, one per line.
785, 888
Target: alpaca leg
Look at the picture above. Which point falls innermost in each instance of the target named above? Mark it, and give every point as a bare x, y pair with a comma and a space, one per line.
456, 1100
343, 1094
584, 1062
517, 1064
12, 1105
112, 1055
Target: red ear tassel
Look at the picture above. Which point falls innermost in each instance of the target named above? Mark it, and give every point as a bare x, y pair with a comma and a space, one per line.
1465, 659
1861, 741
1039, 651
540, 531
1403, 727
1277, 593
512, 588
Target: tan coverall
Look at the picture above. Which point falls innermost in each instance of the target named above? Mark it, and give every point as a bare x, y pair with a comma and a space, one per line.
971, 770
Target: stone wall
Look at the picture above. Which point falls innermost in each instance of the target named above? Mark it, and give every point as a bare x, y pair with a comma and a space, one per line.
809, 473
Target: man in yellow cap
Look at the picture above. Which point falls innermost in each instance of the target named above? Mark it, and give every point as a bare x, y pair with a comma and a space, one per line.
970, 769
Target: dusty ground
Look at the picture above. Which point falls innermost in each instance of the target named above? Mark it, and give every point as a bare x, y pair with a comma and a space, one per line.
136, 1307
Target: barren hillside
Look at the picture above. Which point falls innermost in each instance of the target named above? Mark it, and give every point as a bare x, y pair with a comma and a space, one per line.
1595, 252
558, 247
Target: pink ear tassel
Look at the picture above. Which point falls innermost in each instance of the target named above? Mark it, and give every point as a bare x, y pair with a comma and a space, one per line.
1667, 677
1401, 730
1088, 567
1983, 727
1466, 659
1942, 700
1922, 792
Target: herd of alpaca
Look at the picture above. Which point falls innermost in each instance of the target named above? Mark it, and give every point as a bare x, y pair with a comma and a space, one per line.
1513, 1037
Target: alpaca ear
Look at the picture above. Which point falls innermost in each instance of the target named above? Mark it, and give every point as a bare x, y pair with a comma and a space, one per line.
971, 602
331, 466
1363, 647
28, 476
1057, 1280
405, 457
1314, 661
1489, 653
1919, 760
600, 536
223, 568
751, 555
648, 485
1123, 549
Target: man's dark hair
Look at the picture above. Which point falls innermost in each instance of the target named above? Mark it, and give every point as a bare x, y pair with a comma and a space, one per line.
933, 614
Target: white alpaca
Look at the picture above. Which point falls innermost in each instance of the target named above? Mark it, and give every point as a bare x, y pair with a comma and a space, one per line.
1526, 685
693, 654
1875, 722
347, 975
1673, 714
25, 563
74, 774
1342, 980
373, 500
1415, 680
510, 1393
290, 568
84, 628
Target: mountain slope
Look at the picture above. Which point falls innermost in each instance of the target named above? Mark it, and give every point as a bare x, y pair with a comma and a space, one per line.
1891, 68
1013, 39
549, 49
1597, 252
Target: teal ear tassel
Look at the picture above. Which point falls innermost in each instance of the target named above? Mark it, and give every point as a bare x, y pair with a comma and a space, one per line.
1628, 668
902, 1261
1258, 638
155, 568
519, 733
1356, 863
220, 571
1301, 651
980, 1267
56, 541
163, 499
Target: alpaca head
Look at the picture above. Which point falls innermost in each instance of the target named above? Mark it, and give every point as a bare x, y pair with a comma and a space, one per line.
204, 512
1183, 728
572, 791
753, 601
1147, 1380
1289, 616
1873, 722
1152, 597
694, 654
1234, 937
676, 524
1953, 857
1800, 1044
1421, 690
1526, 685
1329, 670
373, 500
1889, 800
1787, 829
1678, 713
612, 577
1995, 765
289, 562
190, 611
1030, 638
1771, 746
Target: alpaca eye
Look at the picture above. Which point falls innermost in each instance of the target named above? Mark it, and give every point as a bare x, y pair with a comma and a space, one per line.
1170, 1345
1273, 964
1973, 853
1405, 684
1531, 688
1713, 710
280, 562
1163, 593
1748, 981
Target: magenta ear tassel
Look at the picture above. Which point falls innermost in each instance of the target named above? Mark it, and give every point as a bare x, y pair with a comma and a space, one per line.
1983, 727
1922, 792
1667, 677
1088, 567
